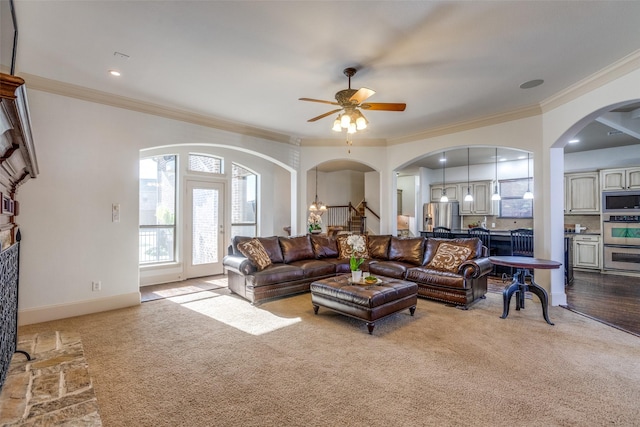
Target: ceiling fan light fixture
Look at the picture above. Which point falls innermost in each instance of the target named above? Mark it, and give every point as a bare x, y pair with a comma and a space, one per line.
350, 102
345, 120
336, 125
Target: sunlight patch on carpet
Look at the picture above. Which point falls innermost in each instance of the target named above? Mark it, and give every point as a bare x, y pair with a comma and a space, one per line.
234, 312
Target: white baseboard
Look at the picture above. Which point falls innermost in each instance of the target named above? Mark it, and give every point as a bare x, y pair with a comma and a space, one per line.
80, 308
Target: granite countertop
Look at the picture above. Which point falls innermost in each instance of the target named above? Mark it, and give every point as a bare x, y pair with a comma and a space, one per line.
495, 232
585, 233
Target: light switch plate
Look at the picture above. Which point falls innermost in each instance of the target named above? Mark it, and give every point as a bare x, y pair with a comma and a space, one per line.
115, 212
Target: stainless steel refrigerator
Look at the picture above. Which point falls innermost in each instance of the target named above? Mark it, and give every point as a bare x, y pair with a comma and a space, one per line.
441, 214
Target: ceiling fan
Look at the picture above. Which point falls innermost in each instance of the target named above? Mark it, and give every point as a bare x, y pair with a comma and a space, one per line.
351, 101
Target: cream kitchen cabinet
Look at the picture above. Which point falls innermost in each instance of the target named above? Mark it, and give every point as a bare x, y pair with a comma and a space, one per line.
586, 251
481, 204
582, 193
452, 192
620, 179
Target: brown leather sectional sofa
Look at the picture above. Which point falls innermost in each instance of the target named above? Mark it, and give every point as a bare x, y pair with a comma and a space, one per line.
298, 261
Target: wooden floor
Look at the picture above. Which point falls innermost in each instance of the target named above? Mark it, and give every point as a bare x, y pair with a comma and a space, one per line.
611, 299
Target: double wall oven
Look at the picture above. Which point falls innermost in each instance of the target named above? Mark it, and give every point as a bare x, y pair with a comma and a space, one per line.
621, 240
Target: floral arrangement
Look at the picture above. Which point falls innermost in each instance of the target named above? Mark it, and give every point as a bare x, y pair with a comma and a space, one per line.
357, 244
314, 222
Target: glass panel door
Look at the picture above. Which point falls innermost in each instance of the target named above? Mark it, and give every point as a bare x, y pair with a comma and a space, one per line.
205, 229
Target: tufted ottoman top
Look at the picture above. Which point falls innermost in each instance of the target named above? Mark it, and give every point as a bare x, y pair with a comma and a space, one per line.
371, 296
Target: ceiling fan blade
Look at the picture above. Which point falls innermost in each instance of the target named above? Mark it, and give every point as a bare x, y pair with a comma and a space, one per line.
319, 100
322, 116
362, 94
383, 106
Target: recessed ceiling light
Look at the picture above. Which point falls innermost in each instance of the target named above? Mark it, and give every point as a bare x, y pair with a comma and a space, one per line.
115, 73
531, 83
442, 160
502, 159
522, 157
574, 141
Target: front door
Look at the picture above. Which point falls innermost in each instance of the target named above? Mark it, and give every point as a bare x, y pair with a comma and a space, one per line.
204, 229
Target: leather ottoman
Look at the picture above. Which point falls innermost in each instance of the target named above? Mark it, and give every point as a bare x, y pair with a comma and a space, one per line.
365, 302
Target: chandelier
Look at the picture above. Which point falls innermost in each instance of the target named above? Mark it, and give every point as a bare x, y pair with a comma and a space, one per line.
317, 206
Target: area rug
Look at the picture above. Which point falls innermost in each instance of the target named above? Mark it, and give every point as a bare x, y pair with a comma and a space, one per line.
54, 388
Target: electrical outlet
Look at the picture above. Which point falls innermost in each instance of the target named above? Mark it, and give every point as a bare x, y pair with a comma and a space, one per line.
493, 225
96, 286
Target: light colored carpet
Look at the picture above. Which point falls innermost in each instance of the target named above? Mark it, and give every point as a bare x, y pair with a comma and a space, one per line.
212, 359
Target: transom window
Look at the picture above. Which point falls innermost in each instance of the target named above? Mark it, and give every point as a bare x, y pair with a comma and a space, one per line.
512, 205
204, 163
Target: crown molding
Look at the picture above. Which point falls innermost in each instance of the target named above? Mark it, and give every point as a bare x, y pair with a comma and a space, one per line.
608, 74
91, 95
520, 113
335, 142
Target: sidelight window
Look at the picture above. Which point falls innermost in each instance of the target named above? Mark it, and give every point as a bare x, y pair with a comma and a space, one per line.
244, 187
157, 228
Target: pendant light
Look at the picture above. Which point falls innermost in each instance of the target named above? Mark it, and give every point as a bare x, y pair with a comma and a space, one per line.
469, 196
317, 205
496, 195
444, 197
528, 195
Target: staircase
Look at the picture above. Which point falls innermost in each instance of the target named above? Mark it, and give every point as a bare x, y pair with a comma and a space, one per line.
348, 218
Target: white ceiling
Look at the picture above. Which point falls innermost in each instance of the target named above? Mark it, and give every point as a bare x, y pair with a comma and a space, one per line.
248, 62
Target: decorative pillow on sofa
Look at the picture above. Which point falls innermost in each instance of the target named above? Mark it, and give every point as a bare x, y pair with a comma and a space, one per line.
272, 246
296, 248
449, 257
408, 250
378, 246
344, 248
324, 247
255, 253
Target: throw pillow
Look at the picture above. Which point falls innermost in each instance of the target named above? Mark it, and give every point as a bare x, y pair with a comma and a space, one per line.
255, 253
449, 257
378, 246
406, 250
345, 251
296, 248
324, 247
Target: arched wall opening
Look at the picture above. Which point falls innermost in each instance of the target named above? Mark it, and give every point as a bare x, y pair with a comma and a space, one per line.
339, 183
552, 213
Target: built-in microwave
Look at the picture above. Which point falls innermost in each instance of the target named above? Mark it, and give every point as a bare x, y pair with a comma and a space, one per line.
621, 201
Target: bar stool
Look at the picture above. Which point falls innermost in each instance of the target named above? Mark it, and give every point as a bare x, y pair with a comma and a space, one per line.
485, 236
442, 232
521, 243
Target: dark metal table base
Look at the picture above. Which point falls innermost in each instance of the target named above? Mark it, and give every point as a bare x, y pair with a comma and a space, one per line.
519, 286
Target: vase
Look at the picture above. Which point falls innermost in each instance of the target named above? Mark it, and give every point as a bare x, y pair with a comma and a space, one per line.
356, 276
